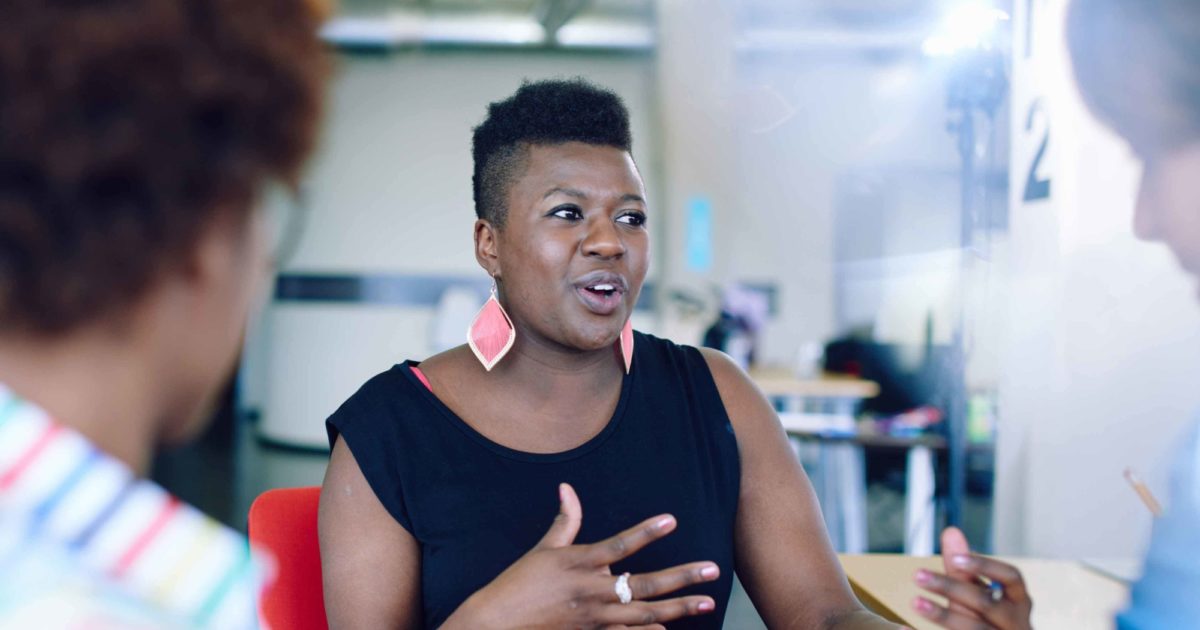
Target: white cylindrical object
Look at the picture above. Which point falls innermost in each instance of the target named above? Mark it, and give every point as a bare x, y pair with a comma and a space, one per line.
919, 508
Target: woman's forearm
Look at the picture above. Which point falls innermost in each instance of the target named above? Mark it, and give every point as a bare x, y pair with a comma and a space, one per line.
860, 620
464, 618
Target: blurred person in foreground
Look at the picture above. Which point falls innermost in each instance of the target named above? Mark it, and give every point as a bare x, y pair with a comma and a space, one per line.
135, 139
1138, 67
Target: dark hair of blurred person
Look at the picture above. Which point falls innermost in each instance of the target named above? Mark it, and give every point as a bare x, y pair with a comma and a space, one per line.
135, 139
1137, 64
1138, 68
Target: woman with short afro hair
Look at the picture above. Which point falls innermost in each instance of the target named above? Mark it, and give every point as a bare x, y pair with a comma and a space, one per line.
658, 469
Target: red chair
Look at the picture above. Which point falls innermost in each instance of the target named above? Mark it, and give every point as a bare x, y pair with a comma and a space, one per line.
284, 521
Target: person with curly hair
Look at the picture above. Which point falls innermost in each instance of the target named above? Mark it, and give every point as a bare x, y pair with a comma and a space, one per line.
135, 139
1137, 63
445, 473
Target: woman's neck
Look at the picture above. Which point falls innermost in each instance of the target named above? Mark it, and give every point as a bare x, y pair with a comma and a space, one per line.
92, 383
538, 399
535, 358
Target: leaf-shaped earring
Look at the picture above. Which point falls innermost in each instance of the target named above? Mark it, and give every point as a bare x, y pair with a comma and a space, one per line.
491, 334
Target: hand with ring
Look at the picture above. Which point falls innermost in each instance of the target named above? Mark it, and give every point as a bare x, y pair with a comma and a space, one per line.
558, 584
980, 592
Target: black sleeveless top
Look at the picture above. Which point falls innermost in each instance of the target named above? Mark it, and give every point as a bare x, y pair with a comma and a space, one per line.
475, 506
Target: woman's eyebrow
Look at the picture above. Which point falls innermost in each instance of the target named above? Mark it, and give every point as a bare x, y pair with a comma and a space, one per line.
579, 194
570, 192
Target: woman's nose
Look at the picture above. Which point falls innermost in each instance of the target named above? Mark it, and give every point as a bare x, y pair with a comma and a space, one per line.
603, 240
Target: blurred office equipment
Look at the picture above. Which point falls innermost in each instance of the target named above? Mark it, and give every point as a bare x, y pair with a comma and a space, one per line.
821, 408
898, 443
819, 416
905, 381
743, 312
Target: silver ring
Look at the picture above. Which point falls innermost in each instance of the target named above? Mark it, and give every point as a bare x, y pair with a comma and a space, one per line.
996, 591
624, 593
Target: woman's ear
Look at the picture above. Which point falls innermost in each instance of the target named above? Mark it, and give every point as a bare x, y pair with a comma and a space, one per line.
487, 249
228, 240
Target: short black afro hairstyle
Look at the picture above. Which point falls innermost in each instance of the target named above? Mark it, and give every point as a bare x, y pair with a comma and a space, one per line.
540, 113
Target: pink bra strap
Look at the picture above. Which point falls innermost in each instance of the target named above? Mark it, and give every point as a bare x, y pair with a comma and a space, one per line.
421, 377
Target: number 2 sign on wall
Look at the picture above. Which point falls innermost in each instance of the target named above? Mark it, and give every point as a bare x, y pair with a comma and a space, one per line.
1037, 184
1036, 129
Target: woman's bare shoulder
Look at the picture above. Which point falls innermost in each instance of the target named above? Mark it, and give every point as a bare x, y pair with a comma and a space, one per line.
451, 366
748, 409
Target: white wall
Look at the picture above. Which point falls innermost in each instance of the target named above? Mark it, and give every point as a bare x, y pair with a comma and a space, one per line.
391, 186
852, 115
390, 192
1102, 349
694, 72
768, 137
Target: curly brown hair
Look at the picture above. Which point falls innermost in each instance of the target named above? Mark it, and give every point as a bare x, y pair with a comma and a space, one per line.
128, 128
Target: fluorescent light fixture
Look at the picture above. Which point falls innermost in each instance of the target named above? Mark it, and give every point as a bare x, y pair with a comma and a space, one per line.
483, 30
370, 32
606, 34
505, 30
970, 25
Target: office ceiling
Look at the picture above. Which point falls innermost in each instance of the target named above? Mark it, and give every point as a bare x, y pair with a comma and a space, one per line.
804, 25
588, 24
775, 11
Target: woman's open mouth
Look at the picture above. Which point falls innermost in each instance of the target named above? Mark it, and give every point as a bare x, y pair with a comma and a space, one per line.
601, 293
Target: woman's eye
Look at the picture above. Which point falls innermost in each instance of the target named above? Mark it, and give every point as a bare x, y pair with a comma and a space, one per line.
566, 212
632, 218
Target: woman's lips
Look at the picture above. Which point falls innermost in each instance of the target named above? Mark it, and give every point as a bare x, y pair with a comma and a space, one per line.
600, 302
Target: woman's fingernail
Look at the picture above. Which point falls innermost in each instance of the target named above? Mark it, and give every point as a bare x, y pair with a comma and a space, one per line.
706, 606
923, 577
922, 605
710, 572
562, 493
664, 522
961, 561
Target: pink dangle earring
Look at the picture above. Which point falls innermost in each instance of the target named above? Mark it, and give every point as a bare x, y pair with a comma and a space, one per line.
491, 334
626, 343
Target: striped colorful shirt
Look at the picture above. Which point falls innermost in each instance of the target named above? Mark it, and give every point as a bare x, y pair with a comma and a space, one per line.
85, 543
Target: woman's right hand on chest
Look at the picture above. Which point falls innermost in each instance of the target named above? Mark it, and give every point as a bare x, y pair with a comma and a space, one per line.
558, 584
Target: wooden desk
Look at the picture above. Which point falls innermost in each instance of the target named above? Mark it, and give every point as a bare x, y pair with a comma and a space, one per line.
779, 383
1066, 595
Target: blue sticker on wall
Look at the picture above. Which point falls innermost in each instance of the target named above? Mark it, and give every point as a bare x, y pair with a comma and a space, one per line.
698, 242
